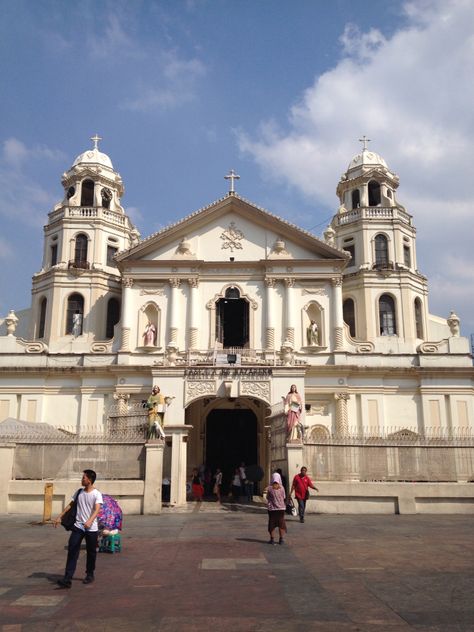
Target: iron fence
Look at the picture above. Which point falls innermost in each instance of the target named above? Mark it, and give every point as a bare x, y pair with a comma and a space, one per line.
434, 456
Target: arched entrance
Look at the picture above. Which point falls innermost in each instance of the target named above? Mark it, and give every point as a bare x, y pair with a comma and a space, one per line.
231, 437
226, 431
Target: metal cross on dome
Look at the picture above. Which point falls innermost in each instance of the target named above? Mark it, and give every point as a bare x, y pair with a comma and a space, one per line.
95, 139
232, 176
364, 140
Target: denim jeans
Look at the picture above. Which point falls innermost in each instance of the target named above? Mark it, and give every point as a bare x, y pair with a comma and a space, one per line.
301, 507
74, 547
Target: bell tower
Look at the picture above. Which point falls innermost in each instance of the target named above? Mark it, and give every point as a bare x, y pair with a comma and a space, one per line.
385, 297
76, 296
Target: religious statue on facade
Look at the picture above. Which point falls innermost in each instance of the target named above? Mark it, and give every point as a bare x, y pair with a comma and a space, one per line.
293, 406
149, 335
312, 334
156, 405
76, 323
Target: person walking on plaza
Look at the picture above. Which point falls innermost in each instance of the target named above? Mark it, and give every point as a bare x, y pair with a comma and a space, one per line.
236, 485
218, 484
197, 486
88, 501
301, 484
276, 505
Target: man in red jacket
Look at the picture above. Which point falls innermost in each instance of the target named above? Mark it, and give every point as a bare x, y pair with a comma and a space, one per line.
301, 485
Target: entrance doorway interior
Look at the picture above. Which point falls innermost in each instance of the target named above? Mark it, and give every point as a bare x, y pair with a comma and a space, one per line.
231, 437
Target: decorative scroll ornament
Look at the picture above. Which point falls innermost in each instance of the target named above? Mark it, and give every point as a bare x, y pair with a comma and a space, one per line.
318, 408
232, 238
256, 389
319, 291
365, 347
199, 388
159, 291
101, 347
429, 347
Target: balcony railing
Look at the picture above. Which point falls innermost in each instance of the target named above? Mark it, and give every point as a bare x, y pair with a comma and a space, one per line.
373, 212
79, 265
86, 213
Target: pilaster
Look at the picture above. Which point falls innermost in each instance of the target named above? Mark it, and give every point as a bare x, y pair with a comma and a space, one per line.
270, 311
338, 322
127, 284
174, 318
290, 311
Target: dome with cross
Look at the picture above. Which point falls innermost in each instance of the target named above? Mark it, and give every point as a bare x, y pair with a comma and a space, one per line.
366, 157
94, 156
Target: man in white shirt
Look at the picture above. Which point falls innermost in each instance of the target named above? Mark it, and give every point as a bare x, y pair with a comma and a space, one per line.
89, 501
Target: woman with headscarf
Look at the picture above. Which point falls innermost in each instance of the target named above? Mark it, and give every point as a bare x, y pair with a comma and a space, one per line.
293, 408
276, 505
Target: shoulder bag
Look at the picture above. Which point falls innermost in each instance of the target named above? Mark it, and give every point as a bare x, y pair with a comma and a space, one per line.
69, 518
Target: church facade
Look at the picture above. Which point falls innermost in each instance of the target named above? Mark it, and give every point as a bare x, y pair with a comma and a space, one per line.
224, 310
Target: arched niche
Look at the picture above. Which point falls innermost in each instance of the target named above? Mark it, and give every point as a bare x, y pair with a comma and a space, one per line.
149, 323
74, 316
317, 433
313, 311
387, 313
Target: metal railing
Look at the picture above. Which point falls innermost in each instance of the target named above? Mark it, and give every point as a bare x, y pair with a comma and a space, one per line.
437, 455
88, 212
373, 212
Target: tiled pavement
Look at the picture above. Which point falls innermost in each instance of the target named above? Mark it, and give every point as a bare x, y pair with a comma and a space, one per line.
211, 569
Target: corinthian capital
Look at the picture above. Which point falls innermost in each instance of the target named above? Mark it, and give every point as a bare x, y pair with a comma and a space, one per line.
336, 281
290, 281
193, 282
343, 396
270, 282
127, 281
175, 282
121, 397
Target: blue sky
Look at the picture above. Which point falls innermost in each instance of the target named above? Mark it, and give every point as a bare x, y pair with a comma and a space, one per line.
280, 91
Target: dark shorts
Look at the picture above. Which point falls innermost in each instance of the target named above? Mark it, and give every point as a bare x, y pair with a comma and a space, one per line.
276, 519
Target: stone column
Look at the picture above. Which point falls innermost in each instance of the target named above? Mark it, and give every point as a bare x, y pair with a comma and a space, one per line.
122, 399
338, 322
346, 457
127, 284
174, 316
364, 195
342, 424
270, 313
179, 438
290, 311
153, 477
193, 331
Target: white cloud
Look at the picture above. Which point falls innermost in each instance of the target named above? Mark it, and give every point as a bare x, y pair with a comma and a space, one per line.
163, 76
173, 83
413, 94
6, 251
22, 198
135, 215
112, 41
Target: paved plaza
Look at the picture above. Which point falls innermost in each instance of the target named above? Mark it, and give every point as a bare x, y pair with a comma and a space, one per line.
209, 568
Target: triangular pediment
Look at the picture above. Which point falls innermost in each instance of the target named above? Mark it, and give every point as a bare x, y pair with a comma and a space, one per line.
231, 227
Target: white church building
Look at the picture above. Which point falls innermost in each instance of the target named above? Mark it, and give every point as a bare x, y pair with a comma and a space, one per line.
224, 310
